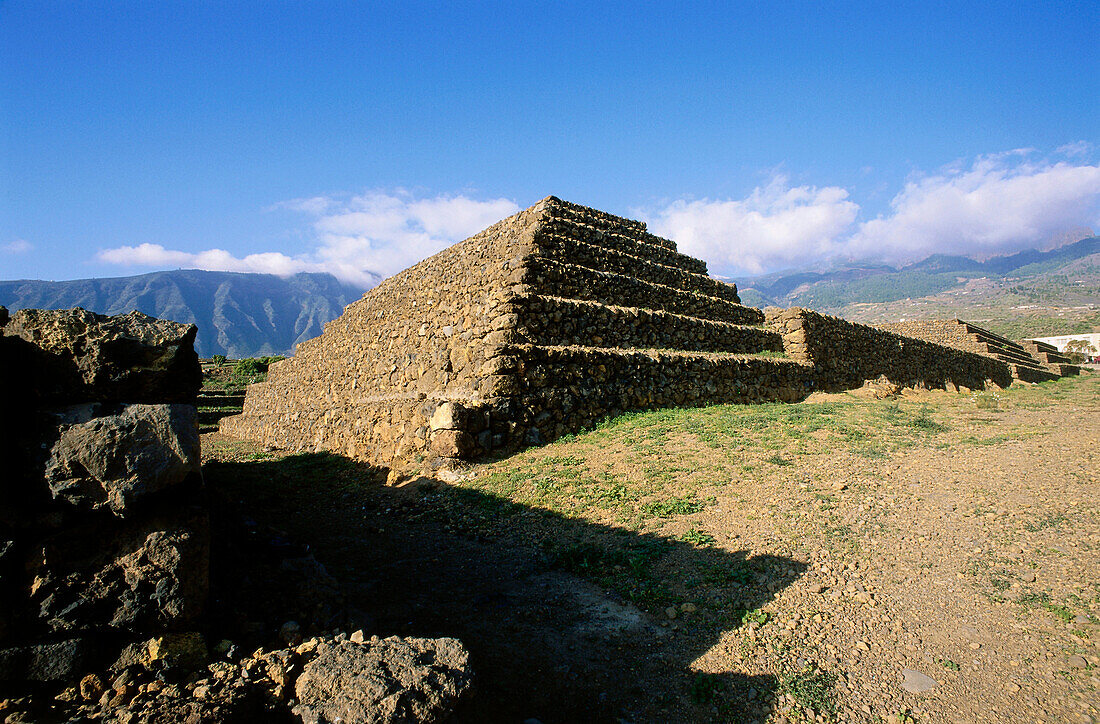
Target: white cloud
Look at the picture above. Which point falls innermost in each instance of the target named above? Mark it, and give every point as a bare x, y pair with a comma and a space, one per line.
19, 246
357, 239
996, 204
1077, 148
776, 225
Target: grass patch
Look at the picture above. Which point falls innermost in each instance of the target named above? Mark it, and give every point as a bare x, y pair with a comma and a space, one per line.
811, 689
671, 507
697, 537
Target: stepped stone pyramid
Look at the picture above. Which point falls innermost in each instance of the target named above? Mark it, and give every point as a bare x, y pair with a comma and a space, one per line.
544, 323
1028, 361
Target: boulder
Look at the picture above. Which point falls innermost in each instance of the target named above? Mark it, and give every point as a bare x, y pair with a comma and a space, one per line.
115, 461
152, 575
383, 680
53, 661
74, 355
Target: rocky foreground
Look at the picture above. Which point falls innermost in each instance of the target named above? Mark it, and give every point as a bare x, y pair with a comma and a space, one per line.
119, 567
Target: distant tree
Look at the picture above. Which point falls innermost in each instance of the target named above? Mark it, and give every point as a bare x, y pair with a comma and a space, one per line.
1078, 350
218, 359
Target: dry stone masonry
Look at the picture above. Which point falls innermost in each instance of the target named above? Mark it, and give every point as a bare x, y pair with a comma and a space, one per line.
1028, 361
548, 322
845, 354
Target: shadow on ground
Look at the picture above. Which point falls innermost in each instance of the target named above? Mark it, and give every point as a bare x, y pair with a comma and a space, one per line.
561, 616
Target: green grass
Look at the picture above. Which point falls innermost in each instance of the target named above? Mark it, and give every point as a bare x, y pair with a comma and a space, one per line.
697, 537
811, 689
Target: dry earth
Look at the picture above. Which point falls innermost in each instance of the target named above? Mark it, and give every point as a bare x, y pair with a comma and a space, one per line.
933, 557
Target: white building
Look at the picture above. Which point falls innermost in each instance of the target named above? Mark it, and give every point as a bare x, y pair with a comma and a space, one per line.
1060, 342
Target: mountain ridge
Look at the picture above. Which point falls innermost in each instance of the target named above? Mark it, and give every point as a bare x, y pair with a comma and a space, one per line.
239, 314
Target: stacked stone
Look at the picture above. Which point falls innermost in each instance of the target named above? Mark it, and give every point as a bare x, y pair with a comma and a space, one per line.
544, 323
1049, 356
1028, 365
102, 537
844, 354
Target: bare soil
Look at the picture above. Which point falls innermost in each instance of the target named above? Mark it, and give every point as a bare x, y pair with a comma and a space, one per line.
769, 563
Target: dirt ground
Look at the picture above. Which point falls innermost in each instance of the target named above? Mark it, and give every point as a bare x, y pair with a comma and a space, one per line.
933, 557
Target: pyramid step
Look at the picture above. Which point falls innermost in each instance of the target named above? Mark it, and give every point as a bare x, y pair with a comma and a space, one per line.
572, 251
1051, 358
1035, 346
991, 337
1032, 374
562, 279
548, 320
602, 220
592, 383
1011, 355
641, 245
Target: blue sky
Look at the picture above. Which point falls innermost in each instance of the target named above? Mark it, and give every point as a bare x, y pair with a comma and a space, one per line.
360, 137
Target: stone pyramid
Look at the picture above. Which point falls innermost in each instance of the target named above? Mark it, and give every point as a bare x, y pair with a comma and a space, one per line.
541, 325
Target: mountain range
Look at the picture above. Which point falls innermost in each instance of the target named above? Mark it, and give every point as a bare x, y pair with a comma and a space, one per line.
238, 314
1030, 293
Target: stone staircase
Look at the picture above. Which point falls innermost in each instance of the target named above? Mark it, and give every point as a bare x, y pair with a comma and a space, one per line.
1028, 361
1049, 356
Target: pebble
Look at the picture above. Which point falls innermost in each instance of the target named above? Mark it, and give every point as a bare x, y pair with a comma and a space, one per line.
688, 607
1081, 618
816, 588
975, 645
915, 682
1077, 662
1028, 576
670, 612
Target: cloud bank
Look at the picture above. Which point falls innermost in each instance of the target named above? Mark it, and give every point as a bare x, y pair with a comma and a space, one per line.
997, 204
358, 238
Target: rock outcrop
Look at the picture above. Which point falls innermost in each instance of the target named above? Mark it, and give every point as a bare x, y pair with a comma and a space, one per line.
103, 533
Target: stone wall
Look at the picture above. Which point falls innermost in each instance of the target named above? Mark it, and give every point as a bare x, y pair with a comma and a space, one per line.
948, 332
103, 537
845, 354
1029, 365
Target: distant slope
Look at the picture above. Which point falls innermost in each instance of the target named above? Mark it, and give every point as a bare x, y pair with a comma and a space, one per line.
875, 284
1031, 293
238, 314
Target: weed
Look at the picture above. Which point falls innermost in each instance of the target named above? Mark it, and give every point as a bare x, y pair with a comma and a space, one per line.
757, 616
778, 459
704, 687
986, 400
1049, 521
949, 664
672, 506
811, 689
697, 537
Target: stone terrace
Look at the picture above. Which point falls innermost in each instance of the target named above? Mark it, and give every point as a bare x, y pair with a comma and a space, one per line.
542, 324
1029, 361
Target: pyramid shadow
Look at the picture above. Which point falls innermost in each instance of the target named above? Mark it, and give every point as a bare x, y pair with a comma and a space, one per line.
565, 619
